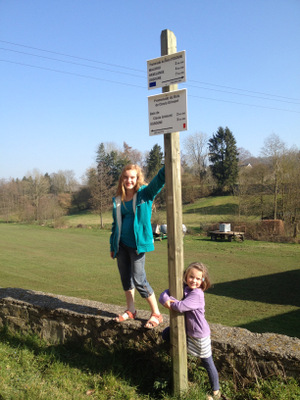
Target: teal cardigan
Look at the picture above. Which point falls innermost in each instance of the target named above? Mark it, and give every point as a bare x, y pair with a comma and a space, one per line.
142, 206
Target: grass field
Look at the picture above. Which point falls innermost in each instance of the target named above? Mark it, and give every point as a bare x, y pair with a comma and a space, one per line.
256, 284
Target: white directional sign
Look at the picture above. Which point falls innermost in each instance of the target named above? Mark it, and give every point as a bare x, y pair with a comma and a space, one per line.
166, 70
167, 112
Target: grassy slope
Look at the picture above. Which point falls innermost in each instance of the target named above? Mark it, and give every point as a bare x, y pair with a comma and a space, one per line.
31, 369
206, 210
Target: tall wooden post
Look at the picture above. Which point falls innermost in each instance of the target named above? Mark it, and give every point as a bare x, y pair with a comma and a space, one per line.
175, 235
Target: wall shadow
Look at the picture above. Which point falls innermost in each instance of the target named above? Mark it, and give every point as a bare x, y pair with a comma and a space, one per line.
284, 324
282, 288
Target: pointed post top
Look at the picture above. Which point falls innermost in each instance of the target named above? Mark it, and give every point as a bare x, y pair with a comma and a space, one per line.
168, 42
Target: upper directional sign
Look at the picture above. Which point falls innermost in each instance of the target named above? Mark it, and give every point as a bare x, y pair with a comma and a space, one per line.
166, 70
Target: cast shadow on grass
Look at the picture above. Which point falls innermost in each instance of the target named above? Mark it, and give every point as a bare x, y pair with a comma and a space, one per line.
222, 209
284, 324
52, 302
281, 289
145, 368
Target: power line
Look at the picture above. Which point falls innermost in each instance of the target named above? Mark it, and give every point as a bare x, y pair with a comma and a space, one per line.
76, 57
142, 87
249, 95
139, 86
245, 90
134, 75
244, 104
72, 73
72, 63
144, 74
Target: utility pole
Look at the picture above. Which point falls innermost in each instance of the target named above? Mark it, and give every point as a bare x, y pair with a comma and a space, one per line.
175, 235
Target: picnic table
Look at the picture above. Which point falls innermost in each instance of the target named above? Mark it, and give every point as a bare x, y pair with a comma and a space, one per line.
229, 235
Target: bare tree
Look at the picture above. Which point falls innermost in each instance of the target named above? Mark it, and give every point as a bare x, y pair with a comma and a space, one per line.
9, 199
274, 149
252, 190
37, 187
57, 182
63, 182
290, 189
100, 184
244, 156
37, 196
196, 156
134, 156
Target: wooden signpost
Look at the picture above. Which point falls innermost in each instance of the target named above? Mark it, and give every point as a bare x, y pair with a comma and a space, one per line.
174, 224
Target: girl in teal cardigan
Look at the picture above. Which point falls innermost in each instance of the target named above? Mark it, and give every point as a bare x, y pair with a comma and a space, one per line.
132, 237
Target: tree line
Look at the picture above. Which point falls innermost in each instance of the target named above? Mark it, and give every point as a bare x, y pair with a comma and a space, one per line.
268, 186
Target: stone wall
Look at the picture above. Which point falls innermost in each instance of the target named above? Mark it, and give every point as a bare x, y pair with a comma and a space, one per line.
58, 319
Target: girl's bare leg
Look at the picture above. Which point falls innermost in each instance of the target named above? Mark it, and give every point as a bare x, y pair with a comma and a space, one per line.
129, 295
153, 304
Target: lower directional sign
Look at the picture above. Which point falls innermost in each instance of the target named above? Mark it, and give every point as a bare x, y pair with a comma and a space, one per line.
168, 112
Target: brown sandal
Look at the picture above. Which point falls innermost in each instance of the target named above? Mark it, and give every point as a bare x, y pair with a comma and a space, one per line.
154, 321
129, 314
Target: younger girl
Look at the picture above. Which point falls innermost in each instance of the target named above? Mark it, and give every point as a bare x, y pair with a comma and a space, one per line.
132, 236
196, 281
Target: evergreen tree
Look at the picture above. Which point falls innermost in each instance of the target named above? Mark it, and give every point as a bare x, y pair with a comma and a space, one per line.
223, 156
101, 183
111, 162
154, 161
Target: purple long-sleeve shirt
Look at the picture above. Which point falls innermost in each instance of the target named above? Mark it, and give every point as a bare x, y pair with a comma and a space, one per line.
193, 305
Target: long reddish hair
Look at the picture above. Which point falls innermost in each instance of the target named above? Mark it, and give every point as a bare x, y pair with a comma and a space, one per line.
139, 180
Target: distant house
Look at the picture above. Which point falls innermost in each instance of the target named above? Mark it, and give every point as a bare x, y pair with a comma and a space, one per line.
247, 165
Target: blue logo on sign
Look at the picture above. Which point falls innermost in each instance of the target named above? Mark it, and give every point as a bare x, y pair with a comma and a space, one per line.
152, 84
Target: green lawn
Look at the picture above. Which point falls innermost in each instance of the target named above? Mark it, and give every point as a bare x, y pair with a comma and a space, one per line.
256, 284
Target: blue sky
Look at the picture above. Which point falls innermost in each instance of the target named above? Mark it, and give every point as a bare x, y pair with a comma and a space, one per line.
73, 74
